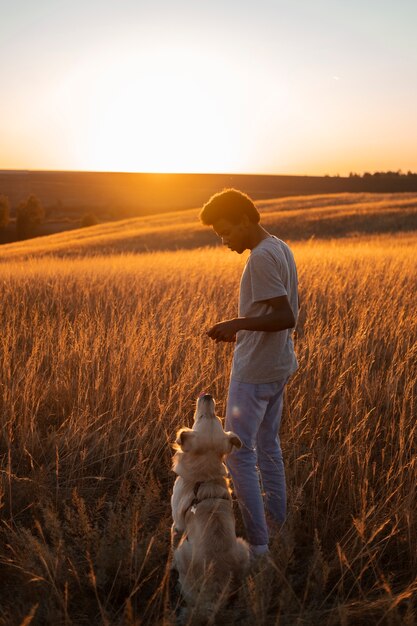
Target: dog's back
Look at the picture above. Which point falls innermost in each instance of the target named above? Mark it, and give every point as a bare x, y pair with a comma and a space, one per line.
210, 559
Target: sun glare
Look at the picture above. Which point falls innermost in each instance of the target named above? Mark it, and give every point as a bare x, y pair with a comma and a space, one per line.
167, 111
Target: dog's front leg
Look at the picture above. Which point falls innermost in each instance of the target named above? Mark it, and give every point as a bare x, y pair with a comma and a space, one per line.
176, 536
178, 525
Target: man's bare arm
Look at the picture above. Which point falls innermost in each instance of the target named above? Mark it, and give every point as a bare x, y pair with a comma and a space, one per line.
280, 318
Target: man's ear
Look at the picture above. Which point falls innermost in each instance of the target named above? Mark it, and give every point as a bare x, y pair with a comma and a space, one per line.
234, 440
244, 220
184, 439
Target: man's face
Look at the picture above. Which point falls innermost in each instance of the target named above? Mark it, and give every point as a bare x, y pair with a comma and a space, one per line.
234, 236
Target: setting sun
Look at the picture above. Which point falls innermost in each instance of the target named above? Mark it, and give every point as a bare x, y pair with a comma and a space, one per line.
157, 113
190, 88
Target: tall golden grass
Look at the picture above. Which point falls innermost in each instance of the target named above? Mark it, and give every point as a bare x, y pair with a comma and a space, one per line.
102, 359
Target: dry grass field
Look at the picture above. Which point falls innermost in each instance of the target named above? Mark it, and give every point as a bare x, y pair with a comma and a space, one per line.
102, 356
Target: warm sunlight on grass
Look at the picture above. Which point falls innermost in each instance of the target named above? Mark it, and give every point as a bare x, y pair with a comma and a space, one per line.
294, 218
102, 359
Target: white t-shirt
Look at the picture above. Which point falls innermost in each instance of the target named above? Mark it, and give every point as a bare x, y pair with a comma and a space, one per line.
270, 272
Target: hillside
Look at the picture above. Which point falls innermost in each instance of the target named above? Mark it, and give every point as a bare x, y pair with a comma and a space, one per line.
294, 218
118, 195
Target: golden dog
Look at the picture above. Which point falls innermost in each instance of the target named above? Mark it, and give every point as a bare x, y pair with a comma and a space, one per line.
210, 559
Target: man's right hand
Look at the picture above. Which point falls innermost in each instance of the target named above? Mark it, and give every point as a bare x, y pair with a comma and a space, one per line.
224, 331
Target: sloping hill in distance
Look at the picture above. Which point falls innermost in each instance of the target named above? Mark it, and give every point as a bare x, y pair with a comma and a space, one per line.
118, 195
294, 218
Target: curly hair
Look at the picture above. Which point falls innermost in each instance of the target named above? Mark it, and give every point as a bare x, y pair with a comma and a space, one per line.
229, 204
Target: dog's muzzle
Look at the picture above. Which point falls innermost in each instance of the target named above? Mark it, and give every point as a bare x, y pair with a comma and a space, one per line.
205, 396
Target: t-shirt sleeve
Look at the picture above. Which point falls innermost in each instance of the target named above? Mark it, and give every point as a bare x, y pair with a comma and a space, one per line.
266, 273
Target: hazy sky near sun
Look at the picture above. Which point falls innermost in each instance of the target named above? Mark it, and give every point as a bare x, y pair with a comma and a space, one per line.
257, 86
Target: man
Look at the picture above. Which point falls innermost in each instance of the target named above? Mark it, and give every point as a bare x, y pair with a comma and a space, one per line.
263, 360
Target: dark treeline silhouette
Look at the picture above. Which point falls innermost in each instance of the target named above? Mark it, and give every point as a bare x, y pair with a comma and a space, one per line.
29, 216
385, 175
4, 212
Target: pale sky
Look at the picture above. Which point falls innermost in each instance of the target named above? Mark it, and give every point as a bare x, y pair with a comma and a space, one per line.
251, 86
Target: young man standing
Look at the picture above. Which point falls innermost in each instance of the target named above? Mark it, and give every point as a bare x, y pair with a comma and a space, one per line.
263, 360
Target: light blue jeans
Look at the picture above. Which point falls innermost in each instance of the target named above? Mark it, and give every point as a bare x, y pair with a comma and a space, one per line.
254, 413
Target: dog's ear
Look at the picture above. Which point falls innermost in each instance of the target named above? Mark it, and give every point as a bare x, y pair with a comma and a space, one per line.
234, 440
184, 439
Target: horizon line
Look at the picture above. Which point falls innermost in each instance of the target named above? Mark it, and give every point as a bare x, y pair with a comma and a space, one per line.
156, 173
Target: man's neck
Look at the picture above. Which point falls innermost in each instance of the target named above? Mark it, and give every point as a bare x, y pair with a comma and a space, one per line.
256, 235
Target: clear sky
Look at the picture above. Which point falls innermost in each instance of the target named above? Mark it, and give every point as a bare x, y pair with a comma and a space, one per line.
251, 86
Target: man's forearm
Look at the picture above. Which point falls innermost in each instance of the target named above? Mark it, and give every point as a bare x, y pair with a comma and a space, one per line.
278, 319
269, 323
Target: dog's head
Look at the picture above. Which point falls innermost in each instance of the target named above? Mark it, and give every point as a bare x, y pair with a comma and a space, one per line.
207, 435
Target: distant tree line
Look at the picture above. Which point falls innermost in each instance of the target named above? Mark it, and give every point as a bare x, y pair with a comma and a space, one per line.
389, 174
30, 214
4, 211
